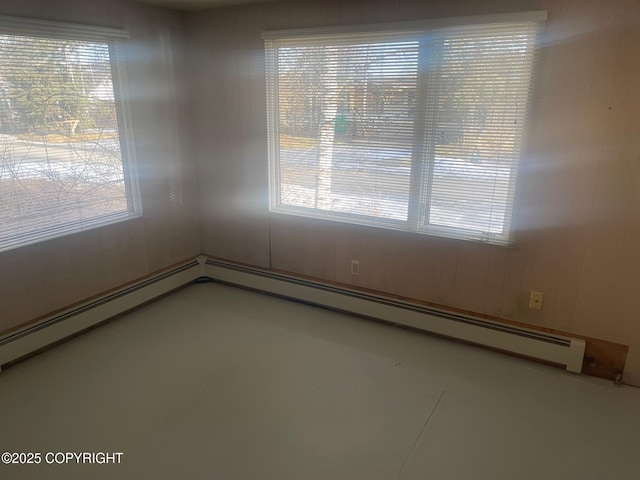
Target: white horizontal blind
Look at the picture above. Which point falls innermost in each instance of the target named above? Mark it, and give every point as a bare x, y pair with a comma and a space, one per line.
417, 129
476, 101
61, 164
346, 126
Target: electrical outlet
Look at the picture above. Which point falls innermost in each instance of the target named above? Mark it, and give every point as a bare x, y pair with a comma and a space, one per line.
355, 267
535, 300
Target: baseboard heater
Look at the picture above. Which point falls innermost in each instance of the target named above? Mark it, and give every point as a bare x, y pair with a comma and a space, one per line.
565, 351
64, 324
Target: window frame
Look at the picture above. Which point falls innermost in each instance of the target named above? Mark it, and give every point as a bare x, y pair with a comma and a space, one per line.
420, 199
113, 39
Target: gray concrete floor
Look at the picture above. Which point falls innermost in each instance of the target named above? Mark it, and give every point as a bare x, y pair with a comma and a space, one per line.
215, 382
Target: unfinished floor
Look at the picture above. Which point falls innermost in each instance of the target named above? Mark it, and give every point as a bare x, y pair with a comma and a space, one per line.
215, 382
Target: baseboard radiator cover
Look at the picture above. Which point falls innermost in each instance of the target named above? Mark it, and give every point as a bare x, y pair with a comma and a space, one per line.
64, 324
547, 347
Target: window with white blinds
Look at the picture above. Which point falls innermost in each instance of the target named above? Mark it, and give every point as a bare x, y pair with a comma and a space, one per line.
416, 127
64, 161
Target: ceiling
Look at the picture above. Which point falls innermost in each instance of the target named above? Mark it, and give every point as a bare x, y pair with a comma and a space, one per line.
197, 4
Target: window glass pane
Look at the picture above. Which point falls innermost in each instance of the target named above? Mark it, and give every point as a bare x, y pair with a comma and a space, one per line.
480, 101
346, 120
61, 165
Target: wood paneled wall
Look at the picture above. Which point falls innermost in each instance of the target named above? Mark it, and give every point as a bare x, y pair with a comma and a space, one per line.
40, 278
577, 218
